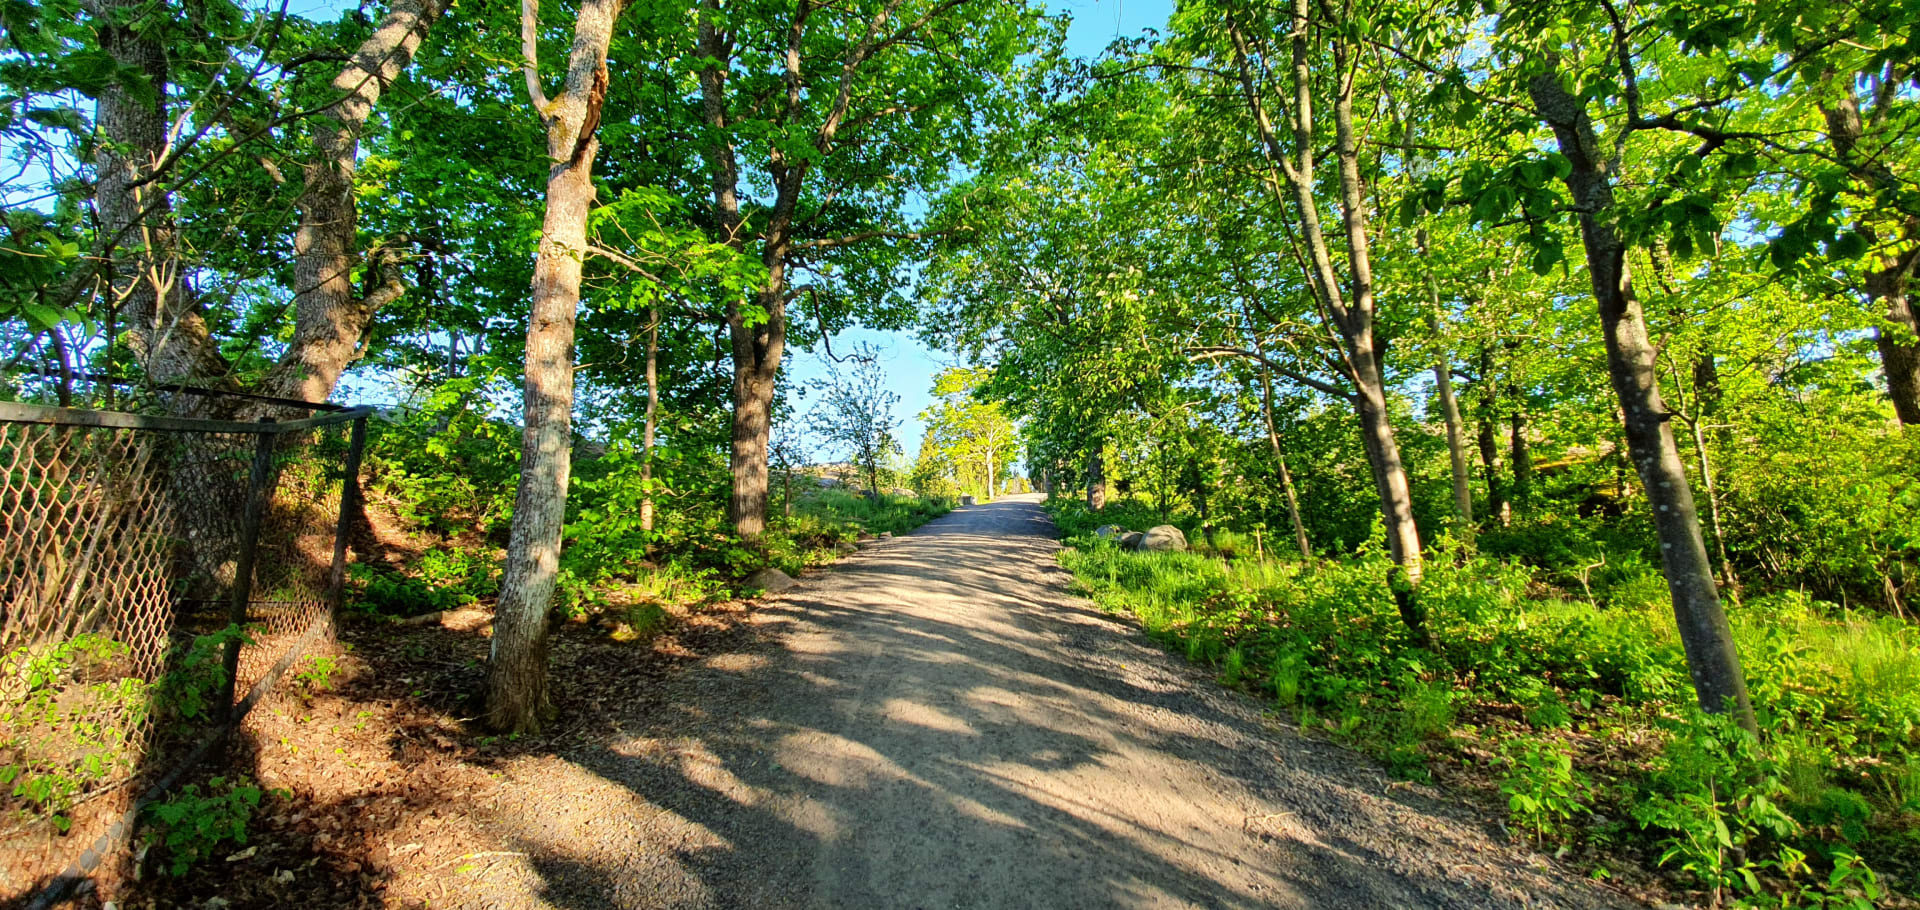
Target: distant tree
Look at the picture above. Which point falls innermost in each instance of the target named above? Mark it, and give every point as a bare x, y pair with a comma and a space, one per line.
966, 431
855, 414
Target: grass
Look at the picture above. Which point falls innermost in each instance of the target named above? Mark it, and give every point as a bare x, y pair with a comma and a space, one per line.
1808, 813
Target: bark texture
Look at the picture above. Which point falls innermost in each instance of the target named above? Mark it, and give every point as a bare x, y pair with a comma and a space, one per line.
517, 686
330, 317
1631, 365
138, 246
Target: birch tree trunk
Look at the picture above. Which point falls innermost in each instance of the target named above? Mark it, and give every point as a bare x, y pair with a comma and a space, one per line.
1712, 658
517, 688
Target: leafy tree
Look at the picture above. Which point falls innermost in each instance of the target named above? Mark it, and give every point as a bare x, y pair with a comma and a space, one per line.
855, 415
973, 437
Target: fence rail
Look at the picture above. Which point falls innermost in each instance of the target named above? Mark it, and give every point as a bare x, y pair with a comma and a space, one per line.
158, 574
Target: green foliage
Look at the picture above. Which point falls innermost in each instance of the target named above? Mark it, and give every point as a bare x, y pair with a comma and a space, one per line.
69, 721
189, 826
446, 466
197, 675
316, 673
1544, 791
1836, 779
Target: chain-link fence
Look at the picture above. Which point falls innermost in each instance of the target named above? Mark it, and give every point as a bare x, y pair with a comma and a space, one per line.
157, 576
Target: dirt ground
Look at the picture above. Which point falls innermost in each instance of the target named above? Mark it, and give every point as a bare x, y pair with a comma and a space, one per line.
936, 722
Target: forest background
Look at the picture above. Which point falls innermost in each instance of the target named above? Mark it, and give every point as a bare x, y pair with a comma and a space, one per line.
1536, 380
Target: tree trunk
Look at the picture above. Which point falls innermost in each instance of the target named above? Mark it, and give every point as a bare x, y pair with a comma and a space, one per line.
1708, 394
1521, 456
1449, 405
1096, 482
1899, 342
653, 410
989, 473
135, 228
1497, 506
1286, 476
747, 457
1711, 656
1456, 448
517, 696
1351, 310
330, 320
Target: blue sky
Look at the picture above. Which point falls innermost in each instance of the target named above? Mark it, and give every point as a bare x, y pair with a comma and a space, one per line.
911, 365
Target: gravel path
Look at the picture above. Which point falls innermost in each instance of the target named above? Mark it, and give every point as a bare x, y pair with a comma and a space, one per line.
939, 723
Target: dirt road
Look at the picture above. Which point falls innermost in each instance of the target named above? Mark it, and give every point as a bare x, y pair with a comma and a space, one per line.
938, 723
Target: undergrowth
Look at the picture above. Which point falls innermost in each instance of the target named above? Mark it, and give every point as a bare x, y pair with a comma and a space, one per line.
1579, 711
443, 476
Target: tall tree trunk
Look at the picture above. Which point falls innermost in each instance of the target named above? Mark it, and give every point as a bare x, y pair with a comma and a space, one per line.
1498, 508
1521, 456
1707, 395
136, 235
1456, 448
517, 692
1449, 405
330, 319
1096, 482
1711, 656
653, 410
753, 387
989, 472
1286, 476
1899, 340
1351, 309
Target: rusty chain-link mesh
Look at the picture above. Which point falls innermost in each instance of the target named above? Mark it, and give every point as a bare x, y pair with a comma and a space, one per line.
119, 550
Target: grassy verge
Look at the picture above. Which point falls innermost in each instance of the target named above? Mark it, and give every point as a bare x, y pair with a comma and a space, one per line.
632, 582
1578, 712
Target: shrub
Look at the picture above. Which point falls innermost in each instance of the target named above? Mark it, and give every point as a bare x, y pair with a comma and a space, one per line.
1544, 791
190, 826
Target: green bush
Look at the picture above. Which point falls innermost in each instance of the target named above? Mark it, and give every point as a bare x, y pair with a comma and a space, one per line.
1544, 791
190, 825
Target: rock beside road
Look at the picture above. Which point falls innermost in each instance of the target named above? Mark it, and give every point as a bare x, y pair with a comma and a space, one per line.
1162, 539
770, 580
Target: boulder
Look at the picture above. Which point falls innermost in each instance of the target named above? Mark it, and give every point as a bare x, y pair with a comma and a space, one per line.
967, 501
886, 535
1131, 540
770, 580
1163, 539
1110, 532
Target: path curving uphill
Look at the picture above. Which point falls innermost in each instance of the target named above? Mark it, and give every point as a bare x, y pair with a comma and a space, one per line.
938, 723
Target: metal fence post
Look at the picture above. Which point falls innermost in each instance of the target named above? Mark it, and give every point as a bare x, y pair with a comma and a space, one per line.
349, 499
257, 496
